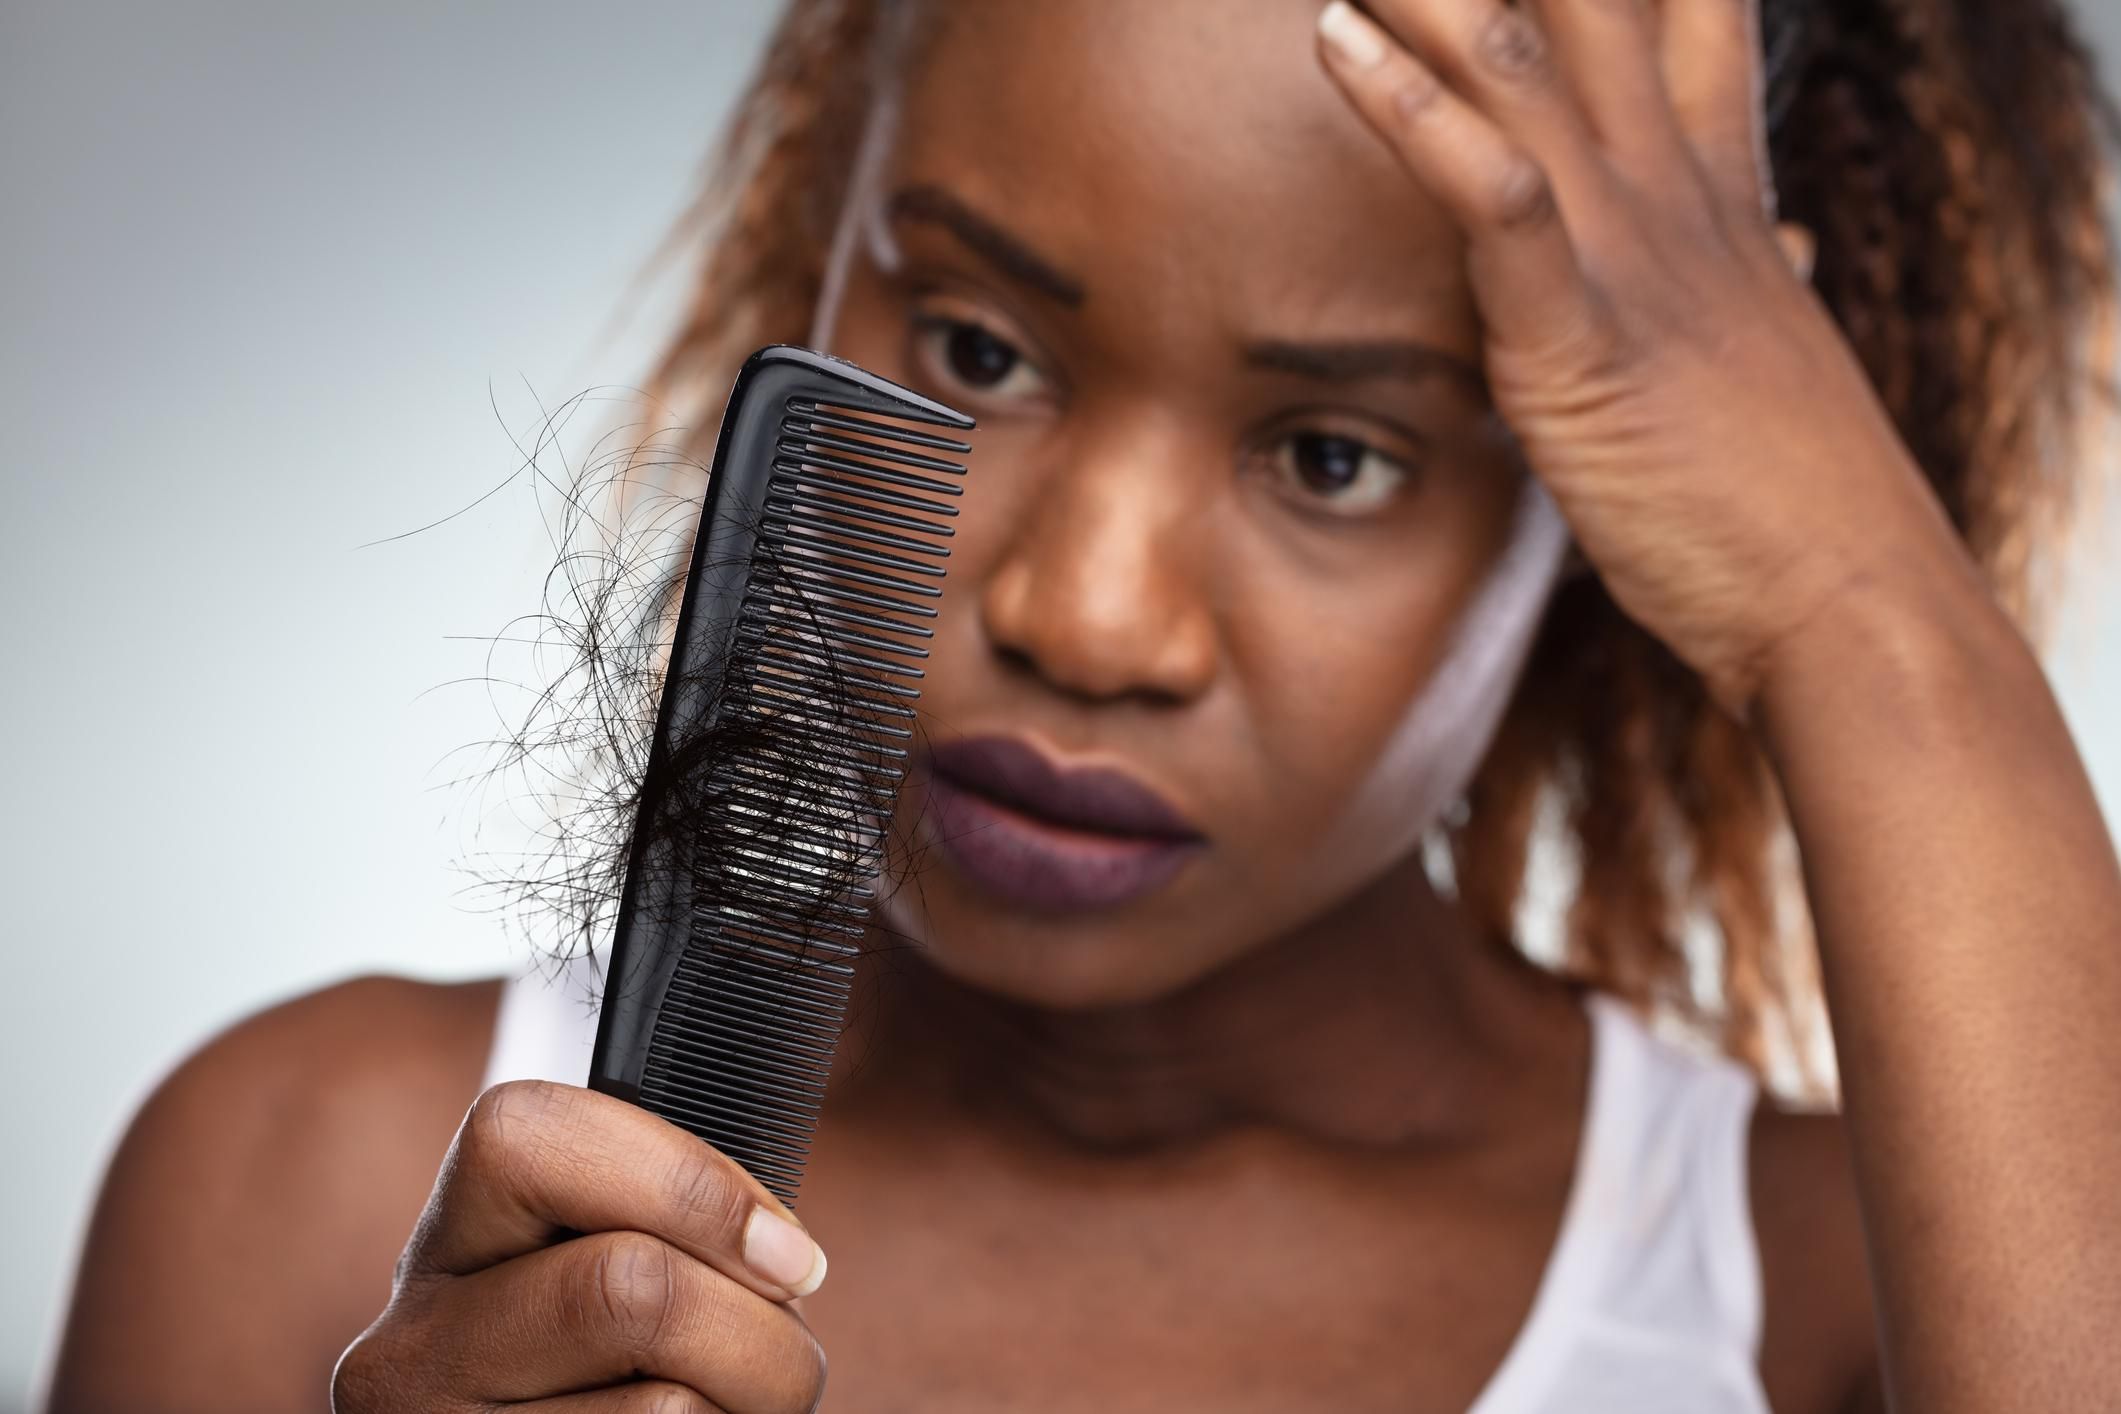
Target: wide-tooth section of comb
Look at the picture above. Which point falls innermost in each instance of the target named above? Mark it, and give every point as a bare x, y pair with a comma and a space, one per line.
826, 652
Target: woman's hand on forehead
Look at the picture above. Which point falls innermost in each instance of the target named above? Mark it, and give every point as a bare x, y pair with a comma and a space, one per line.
1649, 332
1723, 461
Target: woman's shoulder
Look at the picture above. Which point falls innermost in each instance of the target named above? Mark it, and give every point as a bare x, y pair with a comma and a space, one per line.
333, 1088
315, 1073
1819, 1341
267, 1183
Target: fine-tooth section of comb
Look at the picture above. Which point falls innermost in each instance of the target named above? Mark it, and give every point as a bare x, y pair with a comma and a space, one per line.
779, 749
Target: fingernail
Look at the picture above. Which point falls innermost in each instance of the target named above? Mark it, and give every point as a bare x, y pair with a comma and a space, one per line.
782, 1253
1353, 37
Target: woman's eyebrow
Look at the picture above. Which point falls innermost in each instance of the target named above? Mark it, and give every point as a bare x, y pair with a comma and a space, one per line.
1350, 360
1337, 361
925, 202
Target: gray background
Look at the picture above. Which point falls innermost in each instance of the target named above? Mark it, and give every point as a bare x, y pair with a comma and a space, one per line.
261, 268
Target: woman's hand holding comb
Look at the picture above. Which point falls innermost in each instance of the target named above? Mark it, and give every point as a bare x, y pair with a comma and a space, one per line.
580, 1254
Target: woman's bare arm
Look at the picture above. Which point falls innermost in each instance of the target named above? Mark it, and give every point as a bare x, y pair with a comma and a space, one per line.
1969, 910
1652, 340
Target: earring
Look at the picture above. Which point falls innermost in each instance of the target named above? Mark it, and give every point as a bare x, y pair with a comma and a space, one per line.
1799, 246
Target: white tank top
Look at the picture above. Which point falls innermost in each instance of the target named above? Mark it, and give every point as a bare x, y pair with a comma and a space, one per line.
1650, 1303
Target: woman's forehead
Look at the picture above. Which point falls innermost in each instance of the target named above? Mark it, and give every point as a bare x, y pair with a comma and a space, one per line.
1181, 145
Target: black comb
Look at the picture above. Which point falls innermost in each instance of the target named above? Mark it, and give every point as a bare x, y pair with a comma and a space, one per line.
771, 778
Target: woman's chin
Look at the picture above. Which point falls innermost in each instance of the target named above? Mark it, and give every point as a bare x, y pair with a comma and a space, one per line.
1061, 963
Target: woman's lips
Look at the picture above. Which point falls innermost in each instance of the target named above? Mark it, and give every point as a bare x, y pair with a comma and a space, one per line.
1044, 837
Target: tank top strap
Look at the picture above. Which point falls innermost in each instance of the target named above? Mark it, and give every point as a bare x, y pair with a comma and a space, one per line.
1651, 1298
1568, 1289
1686, 1261
546, 1023
1729, 1096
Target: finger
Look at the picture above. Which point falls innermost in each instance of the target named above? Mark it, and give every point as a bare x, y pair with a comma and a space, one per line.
1524, 268
1710, 53
640, 1397
615, 1306
535, 1162
1496, 57
1608, 49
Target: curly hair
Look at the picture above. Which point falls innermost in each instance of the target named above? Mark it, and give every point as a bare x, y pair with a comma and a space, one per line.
1949, 155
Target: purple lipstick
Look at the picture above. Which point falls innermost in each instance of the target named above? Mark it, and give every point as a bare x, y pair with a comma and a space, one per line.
1050, 837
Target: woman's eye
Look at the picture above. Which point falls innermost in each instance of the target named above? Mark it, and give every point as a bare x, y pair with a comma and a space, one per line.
1349, 476
973, 356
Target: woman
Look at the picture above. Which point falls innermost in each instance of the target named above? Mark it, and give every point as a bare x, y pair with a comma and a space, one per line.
1390, 429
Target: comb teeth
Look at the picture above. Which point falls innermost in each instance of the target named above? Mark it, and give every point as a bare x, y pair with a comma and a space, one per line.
828, 639
742, 1052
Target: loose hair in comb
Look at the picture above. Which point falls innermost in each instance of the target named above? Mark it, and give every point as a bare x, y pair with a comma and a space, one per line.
777, 754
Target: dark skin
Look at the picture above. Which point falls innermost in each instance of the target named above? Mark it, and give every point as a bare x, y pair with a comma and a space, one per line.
1151, 1159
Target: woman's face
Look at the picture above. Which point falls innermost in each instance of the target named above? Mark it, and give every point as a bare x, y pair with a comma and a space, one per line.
1234, 489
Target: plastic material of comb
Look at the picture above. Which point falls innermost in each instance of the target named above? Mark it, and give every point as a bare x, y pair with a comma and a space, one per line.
815, 577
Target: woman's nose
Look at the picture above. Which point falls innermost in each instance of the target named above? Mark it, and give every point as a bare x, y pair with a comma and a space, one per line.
1100, 591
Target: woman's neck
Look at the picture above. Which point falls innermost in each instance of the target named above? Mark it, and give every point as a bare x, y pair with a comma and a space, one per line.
1386, 1023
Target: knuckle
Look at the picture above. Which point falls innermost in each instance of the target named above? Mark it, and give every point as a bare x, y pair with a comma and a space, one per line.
411, 1265
633, 1287
352, 1383
706, 1185
1520, 196
1508, 44
1413, 95
367, 1379
1611, 352
503, 1117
